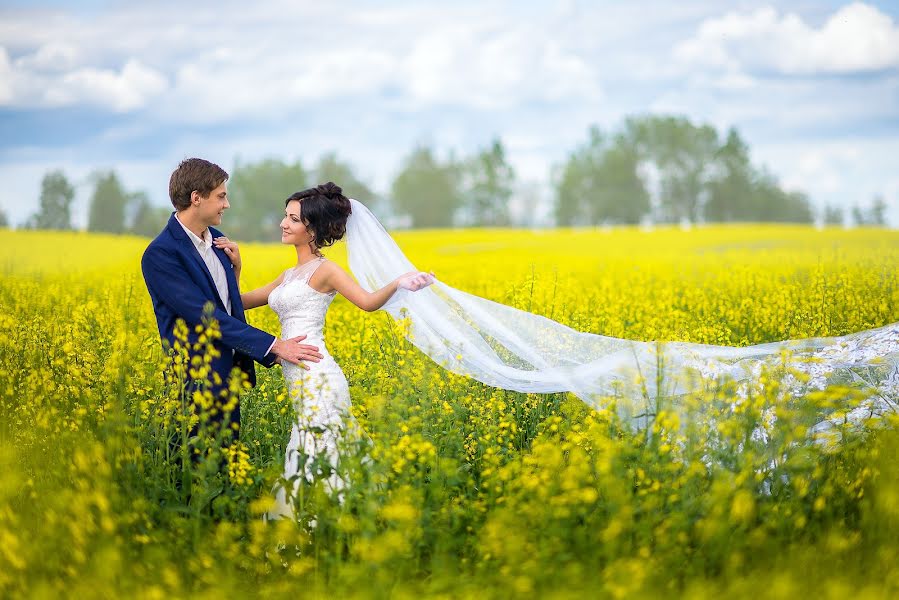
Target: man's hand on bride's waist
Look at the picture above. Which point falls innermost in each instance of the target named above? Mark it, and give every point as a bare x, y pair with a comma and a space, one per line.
293, 351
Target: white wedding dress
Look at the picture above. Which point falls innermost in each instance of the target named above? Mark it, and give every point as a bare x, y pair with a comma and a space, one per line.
320, 395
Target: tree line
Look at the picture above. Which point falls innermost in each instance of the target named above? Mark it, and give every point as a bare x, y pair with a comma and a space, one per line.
666, 169
659, 169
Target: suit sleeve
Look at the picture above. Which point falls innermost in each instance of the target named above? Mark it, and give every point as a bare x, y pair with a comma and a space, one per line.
268, 361
172, 286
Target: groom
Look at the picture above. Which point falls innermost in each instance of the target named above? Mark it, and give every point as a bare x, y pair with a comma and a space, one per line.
186, 275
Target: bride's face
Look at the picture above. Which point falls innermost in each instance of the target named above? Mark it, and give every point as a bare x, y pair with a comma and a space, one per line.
293, 231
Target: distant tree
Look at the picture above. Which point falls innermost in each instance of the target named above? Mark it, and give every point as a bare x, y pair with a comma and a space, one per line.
490, 181
4, 220
427, 190
874, 215
577, 181
833, 215
148, 220
331, 168
257, 192
108, 205
55, 208
731, 189
600, 183
795, 208
770, 203
859, 217
620, 195
878, 212
684, 154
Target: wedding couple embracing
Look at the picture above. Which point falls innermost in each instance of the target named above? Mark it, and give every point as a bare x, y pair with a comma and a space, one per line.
191, 266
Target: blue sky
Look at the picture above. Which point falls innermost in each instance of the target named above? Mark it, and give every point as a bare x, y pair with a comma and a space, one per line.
812, 86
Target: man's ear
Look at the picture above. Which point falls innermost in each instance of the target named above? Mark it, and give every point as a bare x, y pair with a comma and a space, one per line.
195, 197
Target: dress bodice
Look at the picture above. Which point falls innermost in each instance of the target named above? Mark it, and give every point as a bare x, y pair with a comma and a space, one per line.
300, 308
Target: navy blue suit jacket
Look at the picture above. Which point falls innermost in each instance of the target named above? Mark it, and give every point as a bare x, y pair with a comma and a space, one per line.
180, 285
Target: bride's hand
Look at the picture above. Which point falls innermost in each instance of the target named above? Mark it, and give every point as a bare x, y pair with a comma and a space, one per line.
415, 280
231, 251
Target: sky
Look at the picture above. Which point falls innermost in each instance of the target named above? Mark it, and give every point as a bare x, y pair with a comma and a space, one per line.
812, 86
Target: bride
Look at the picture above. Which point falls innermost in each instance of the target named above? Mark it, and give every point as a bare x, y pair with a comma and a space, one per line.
300, 296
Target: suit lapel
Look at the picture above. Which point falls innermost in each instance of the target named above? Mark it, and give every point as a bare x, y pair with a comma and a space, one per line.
233, 291
187, 246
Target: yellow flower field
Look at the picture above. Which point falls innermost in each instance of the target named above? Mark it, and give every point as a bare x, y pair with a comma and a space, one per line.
458, 489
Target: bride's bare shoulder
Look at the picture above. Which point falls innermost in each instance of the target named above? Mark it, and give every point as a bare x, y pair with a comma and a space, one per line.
327, 266
329, 271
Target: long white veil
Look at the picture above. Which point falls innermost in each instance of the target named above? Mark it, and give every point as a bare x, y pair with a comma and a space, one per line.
515, 350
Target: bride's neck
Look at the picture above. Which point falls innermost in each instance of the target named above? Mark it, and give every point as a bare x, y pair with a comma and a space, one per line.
304, 255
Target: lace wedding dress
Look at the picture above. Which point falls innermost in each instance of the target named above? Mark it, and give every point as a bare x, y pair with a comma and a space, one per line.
320, 395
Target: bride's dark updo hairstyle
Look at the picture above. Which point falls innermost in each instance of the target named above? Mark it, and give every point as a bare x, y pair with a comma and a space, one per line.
324, 211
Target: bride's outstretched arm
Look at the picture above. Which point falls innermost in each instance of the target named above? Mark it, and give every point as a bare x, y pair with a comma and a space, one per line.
259, 296
335, 278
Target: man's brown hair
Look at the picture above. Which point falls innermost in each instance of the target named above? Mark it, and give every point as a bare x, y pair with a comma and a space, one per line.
194, 174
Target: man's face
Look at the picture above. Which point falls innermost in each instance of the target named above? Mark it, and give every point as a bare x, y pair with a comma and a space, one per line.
212, 206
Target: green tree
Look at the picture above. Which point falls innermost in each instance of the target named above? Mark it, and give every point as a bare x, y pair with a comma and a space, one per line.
490, 181
55, 210
577, 182
427, 190
601, 183
4, 220
770, 203
730, 192
331, 168
873, 215
109, 204
257, 192
684, 154
878, 212
833, 215
620, 195
795, 208
148, 220
858, 215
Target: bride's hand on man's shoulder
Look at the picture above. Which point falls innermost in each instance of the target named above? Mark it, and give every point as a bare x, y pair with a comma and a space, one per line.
230, 248
415, 280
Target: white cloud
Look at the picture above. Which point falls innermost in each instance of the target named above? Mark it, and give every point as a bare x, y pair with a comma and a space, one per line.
131, 88
51, 77
6, 91
231, 83
857, 38
276, 60
51, 57
490, 68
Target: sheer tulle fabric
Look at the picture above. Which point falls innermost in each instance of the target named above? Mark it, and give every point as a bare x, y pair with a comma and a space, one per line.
515, 350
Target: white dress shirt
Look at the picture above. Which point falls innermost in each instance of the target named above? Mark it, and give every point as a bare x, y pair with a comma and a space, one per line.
216, 269
215, 266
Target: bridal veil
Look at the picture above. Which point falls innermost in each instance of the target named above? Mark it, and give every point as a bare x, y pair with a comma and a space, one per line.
515, 350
